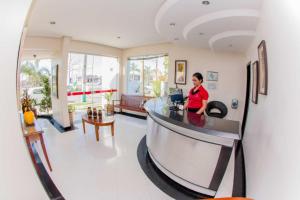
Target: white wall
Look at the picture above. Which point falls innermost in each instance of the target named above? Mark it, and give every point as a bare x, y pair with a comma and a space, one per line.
231, 68
18, 177
272, 132
42, 47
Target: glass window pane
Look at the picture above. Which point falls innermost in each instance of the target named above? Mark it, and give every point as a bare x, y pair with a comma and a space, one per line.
75, 76
148, 75
134, 84
97, 73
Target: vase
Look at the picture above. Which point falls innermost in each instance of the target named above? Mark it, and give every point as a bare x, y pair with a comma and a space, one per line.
29, 118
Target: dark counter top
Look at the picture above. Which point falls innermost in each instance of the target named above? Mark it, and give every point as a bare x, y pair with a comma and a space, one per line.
159, 107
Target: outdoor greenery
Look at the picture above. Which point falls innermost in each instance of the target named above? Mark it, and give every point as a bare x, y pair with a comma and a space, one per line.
46, 103
38, 77
156, 88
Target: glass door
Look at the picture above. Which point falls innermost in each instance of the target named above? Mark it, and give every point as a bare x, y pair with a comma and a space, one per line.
89, 78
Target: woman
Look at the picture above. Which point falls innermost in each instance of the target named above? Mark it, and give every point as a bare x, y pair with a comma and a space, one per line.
198, 96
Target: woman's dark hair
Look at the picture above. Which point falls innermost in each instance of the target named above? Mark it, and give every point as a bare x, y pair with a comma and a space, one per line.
198, 76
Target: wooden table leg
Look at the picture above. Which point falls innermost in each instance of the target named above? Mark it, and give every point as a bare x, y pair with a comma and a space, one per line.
97, 132
112, 129
83, 126
31, 154
45, 152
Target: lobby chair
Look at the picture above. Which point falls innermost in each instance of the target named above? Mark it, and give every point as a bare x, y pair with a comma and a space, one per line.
216, 105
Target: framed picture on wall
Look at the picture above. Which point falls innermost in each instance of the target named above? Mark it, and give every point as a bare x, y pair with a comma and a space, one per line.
255, 81
263, 68
54, 81
212, 76
180, 72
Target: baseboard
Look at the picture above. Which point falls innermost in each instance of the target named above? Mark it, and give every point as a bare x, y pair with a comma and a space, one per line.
57, 125
132, 115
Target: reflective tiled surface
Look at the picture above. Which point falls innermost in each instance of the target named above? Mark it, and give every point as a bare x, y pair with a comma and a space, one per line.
108, 169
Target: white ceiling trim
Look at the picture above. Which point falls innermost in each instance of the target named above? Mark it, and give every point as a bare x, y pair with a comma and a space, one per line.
218, 15
228, 34
161, 12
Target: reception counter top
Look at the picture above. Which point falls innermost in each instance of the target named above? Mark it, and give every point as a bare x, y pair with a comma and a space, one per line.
226, 129
193, 150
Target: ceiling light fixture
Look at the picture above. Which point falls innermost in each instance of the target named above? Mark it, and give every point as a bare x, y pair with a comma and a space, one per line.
52, 22
206, 3
201, 33
119, 37
172, 24
176, 39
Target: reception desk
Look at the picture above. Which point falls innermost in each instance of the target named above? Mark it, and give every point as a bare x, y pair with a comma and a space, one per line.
193, 150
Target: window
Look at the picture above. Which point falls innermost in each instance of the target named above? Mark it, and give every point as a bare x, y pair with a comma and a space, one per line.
91, 75
147, 75
33, 80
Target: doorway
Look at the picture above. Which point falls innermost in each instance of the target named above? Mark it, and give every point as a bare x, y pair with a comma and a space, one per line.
247, 99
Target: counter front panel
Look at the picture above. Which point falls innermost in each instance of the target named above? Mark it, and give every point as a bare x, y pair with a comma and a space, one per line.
192, 150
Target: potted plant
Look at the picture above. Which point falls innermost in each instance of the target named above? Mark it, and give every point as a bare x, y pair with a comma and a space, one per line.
109, 105
71, 110
27, 108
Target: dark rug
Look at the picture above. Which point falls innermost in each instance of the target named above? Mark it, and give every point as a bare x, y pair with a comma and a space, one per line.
162, 181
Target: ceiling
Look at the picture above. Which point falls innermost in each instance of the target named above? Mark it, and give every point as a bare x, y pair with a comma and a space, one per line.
223, 25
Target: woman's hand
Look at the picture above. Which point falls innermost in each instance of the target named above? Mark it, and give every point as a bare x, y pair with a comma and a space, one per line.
185, 106
199, 112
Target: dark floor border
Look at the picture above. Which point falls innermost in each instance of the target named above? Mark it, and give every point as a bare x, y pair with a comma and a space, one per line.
131, 115
162, 181
57, 125
239, 184
48, 184
221, 167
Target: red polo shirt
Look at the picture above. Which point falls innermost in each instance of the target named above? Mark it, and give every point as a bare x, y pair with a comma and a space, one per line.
196, 98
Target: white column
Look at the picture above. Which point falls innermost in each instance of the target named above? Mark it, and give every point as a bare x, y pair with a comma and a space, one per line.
60, 104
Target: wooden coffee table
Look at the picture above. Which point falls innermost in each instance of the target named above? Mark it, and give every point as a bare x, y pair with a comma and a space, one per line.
105, 121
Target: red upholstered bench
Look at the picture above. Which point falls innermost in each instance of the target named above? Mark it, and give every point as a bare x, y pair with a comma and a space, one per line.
131, 103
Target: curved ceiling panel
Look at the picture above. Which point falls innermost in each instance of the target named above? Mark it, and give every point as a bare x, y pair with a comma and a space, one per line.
161, 12
218, 15
228, 34
190, 22
235, 44
201, 34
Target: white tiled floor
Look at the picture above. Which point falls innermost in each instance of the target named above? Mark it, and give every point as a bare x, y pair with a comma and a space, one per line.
108, 169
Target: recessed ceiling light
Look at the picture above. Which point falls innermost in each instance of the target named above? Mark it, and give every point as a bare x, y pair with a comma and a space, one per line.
52, 22
176, 39
206, 3
119, 37
172, 24
201, 33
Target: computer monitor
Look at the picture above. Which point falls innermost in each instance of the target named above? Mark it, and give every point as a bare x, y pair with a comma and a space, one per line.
176, 95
